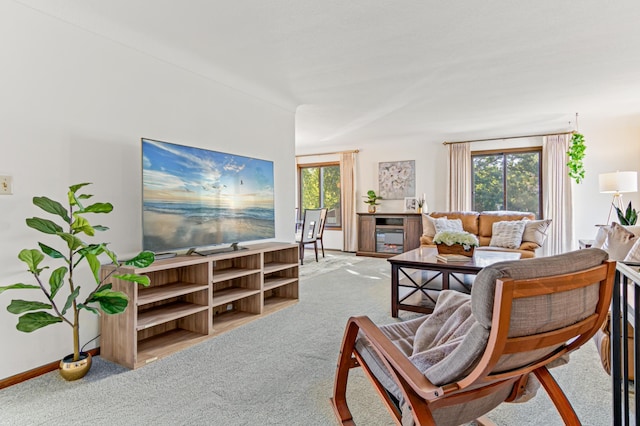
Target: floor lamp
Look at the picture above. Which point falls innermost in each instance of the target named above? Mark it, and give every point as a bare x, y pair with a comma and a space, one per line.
617, 183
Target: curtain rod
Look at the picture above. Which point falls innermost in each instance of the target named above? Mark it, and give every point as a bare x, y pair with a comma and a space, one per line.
510, 137
329, 153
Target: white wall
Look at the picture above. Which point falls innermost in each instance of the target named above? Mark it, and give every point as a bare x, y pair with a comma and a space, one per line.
430, 160
73, 109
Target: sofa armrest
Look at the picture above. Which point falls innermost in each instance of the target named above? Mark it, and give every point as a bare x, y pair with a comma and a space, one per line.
426, 240
528, 245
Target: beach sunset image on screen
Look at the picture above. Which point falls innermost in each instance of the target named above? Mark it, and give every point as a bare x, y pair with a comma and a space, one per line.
194, 197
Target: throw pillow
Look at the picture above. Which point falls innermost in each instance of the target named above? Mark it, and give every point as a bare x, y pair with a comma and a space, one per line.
535, 231
443, 224
634, 253
601, 237
429, 225
507, 234
619, 242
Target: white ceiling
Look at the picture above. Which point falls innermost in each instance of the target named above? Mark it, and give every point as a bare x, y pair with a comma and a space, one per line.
367, 71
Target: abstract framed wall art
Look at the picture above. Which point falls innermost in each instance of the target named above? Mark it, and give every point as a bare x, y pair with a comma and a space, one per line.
397, 179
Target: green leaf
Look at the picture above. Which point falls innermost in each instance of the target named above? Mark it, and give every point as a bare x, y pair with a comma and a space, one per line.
18, 286
32, 258
94, 264
74, 188
80, 224
74, 199
43, 225
19, 306
111, 302
88, 308
51, 206
95, 249
134, 278
70, 300
104, 287
100, 228
98, 208
142, 260
112, 256
56, 280
51, 252
73, 242
34, 320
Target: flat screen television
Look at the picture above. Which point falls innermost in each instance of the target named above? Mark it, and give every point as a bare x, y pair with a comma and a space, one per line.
194, 197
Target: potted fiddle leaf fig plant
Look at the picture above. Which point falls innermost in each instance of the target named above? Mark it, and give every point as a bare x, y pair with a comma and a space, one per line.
65, 306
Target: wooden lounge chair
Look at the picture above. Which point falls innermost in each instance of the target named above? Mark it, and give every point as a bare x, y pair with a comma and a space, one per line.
523, 315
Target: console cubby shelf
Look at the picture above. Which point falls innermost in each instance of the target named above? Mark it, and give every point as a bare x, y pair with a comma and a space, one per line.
277, 266
231, 273
231, 294
165, 313
271, 283
156, 294
193, 298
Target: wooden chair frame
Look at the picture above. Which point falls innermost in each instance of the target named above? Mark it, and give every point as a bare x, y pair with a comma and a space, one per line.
422, 396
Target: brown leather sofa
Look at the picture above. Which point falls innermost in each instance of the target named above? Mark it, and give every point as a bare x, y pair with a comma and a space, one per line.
481, 225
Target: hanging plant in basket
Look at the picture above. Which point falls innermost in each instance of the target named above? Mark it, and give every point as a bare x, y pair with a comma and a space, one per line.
576, 155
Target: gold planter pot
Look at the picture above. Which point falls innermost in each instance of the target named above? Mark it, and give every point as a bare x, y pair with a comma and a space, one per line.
73, 370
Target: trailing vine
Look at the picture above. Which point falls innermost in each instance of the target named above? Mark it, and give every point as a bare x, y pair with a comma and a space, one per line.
576, 154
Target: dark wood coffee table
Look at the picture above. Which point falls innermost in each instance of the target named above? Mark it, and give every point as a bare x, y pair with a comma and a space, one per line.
423, 275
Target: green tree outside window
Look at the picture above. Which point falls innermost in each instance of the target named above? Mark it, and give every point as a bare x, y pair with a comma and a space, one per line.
507, 181
320, 187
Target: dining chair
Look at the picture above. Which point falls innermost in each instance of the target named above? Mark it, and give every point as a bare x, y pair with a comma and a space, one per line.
308, 233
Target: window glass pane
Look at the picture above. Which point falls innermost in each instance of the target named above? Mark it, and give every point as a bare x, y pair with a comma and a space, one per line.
523, 182
320, 187
507, 181
310, 190
488, 182
331, 194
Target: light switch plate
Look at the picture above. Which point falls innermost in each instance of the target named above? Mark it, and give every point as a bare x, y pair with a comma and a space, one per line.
6, 185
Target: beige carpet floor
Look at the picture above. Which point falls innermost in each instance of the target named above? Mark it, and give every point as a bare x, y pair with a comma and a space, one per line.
277, 370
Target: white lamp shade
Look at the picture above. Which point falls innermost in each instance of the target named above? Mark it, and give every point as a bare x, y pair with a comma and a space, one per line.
618, 182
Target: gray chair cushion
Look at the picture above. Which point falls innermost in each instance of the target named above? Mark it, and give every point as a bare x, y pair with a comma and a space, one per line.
483, 289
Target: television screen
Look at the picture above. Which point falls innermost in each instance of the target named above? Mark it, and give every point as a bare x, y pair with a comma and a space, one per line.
193, 197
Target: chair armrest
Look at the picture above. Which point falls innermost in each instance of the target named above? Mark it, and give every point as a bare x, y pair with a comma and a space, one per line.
396, 361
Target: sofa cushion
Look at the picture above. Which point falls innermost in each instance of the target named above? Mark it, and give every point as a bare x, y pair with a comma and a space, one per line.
429, 225
634, 252
488, 218
619, 242
507, 234
443, 224
535, 231
469, 219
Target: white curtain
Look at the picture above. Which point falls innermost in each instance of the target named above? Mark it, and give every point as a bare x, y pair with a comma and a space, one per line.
556, 190
348, 195
459, 181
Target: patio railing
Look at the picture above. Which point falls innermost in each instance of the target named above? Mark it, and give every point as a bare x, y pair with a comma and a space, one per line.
626, 296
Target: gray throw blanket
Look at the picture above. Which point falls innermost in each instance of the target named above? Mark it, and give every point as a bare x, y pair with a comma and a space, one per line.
441, 333
443, 330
